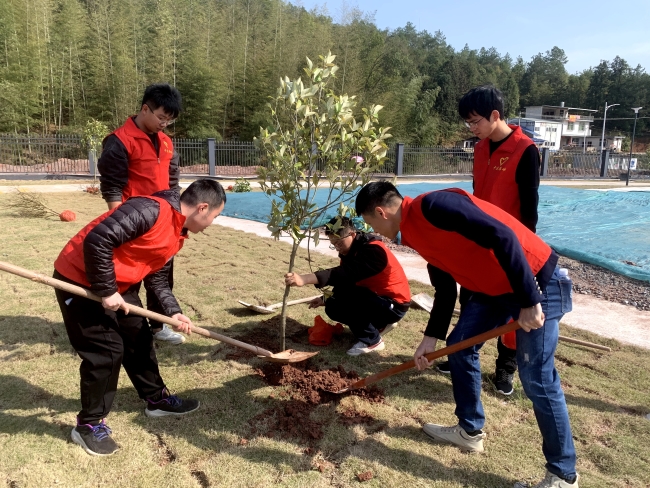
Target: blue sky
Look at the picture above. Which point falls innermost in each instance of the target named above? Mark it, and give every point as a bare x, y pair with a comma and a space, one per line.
588, 31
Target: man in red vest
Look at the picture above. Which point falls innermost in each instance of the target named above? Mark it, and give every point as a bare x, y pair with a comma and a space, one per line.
111, 256
506, 174
511, 273
139, 159
371, 292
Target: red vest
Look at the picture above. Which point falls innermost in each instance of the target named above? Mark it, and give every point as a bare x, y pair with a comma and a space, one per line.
148, 171
494, 176
472, 266
133, 260
392, 281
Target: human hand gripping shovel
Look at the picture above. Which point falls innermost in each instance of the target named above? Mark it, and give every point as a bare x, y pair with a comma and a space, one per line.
445, 351
285, 357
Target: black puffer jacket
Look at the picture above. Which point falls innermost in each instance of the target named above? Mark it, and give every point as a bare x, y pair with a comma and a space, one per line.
132, 219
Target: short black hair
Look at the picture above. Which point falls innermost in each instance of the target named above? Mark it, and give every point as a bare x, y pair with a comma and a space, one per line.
163, 95
204, 191
376, 194
481, 100
338, 224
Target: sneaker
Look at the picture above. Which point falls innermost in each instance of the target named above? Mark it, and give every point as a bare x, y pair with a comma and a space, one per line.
95, 439
170, 405
648, 416
443, 367
503, 382
549, 481
387, 329
455, 435
363, 348
167, 335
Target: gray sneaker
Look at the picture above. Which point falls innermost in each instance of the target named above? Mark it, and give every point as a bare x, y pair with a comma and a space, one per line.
648, 416
549, 481
455, 435
167, 335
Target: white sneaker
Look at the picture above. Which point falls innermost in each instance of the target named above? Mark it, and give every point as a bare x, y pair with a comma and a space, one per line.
549, 481
362, 348
455, 435
167, 335
387, 329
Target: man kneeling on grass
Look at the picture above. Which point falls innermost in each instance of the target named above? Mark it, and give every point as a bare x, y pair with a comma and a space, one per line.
510, 273
371, 293
111, 256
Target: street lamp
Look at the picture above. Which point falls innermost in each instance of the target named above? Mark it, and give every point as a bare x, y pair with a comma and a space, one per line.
629, 164
602, 138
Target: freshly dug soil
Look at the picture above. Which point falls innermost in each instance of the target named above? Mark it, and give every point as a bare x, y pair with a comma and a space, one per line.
302, 390
314, 387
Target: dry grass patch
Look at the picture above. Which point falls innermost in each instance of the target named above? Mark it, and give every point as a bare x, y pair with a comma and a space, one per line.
606, 393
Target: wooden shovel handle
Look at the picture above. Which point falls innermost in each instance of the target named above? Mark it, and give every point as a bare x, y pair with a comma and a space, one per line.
445, 351
77, 290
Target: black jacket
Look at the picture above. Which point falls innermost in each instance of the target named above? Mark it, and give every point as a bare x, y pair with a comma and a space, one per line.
132, 219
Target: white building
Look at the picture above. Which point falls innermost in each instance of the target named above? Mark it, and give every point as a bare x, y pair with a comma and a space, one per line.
558, 127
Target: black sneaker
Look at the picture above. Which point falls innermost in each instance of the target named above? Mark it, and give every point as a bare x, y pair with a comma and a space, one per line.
443, 367
95, 439
170, 405
503, 382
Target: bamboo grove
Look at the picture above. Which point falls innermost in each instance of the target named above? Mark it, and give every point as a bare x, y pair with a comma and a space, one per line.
64, 62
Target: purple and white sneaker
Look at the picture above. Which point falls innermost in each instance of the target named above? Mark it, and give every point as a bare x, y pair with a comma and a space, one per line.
170, 405
95, 439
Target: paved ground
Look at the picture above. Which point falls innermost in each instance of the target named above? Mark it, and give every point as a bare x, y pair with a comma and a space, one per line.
623, 323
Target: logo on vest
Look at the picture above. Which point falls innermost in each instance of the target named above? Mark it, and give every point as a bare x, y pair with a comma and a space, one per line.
502, 161
166, 149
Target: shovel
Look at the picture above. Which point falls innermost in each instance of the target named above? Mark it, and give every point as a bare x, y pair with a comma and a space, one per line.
445, 351
272, 308
285, 357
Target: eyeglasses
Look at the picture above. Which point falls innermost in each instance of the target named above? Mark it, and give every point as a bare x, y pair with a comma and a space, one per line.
163, 122
469, 125
335, 243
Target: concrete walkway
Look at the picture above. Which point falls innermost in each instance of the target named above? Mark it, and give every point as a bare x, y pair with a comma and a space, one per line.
623, 323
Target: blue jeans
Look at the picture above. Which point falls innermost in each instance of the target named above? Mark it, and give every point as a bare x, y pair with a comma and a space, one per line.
535, 359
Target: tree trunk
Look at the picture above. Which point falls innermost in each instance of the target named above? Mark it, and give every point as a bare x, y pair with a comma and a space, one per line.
283, 321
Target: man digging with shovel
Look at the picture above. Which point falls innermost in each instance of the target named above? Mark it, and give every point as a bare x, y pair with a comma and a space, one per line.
511, 273
371, 292
111, 256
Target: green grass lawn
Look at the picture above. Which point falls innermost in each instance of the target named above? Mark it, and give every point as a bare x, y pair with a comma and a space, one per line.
607, 393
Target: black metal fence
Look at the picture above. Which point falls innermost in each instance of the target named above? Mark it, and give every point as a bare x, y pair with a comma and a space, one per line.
63, 154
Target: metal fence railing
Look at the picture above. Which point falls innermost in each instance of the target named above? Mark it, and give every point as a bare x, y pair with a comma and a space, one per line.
53, 154
193, 155
64, 154
422, 160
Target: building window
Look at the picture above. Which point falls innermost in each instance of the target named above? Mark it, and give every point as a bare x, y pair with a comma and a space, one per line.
570, 126
582, 126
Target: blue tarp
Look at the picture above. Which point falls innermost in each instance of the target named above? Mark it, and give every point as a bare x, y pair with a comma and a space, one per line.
607, 228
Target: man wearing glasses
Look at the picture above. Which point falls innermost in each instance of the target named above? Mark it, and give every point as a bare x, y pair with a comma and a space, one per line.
371, 293
506, 174
138, 159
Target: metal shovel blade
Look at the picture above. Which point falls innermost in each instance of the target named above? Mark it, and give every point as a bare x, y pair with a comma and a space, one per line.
257, 308
289, 356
